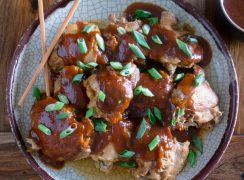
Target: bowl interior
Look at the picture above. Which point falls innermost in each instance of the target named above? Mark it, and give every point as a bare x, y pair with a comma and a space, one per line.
220, 74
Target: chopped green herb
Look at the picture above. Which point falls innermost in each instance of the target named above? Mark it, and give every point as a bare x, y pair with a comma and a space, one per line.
191, 39
44, 129
140, 39
100, 125
173, 121
127, 70
88, 28
179, 76
154, 143
68, 131
136, 50
89, 112
138, 90
121, 30
54, 107
82, 45
62, 115
150, 116
191, 158
77, 78
116, 65
142, 129
144, 91
157, 113
154, 73
184, 47
36, 93
127, 154
146, 29
156, 39
142, 14
86, 66
101, 96
63, 98
199, 78
153, 21
181, 112
198, 143
128, 164
100, 42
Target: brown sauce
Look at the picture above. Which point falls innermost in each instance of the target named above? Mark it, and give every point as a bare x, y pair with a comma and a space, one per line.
235, 9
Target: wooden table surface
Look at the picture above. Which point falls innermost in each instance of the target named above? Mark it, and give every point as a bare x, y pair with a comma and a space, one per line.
17, 15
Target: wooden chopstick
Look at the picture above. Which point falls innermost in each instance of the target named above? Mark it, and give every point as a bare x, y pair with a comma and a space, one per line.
43, 44
49, 51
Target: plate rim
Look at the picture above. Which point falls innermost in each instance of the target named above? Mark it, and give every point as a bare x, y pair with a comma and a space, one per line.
233, 89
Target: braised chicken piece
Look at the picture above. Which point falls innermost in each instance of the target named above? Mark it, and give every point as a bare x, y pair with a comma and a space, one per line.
59, 137
117, 89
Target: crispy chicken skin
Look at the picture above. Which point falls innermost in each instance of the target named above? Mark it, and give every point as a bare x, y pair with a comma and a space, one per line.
72, 147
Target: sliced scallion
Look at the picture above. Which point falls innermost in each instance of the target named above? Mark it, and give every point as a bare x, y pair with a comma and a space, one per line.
116, 65
62, 115
197, 142
157, 113
121, 30
173, 121
191, 158
156, 39
154, 143
199, 78
136, 50
100, 42
142, 129
44, 129
153, 20
140, 39
127, 70
181, 112
128, 164
146, 29
89, 112
142, 14
88, 28
127, 153
68, 131
154, 73
36, 93
101, 96
63, 98
179, 76
54, 107
144, 91
77, 78
150, 116
82, 45
184, 47
86, 66
100, 125
191, 39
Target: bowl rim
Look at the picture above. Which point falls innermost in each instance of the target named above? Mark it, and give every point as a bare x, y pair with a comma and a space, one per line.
233, 90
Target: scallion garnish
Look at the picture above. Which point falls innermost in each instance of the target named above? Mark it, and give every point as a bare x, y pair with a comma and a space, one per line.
199, 78
146, 29
63, 98
144, 91
191, 158
153, 20
197, 142
86, 66
62, 115
173, 121
184, 47
140, 39
100, 42
88, 28
36, 93
44, 129
154, 73
68, 131
142, 129
89, 112
157, 113
156, 39
127, 154
121, 30
127, 70
181, 112
77, 78
116, 65
101, 96
128, 164
82, 45
191, 39
54, 107
154, 143
142, 14
179, 76
100, 125
136, 50
150, 116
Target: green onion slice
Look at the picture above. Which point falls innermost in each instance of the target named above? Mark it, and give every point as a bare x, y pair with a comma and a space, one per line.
127, 153
154, 143
199, 78
68, 131
86, 66
88, 28
197, 142
191, 158
157, 113
77, 78
153, 20
54, 107
142, 14
63, 98
127, 70
128, 164
184, 47
100, 42
82, 45
116, 65
144, 91
181, 112
154, 73
36, 93
136, 50
142, 129
62, 115
179, 76
156, 39
100, 125
89, 112
138, 90
101, 96
140, 39
173, 121
191, 39
121, 30
44, 129
150, 116
146, 29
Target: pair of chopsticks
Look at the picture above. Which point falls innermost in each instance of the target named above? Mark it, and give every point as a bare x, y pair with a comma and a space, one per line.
46, 53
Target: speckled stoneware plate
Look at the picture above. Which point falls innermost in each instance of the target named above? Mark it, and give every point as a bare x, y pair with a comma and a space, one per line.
220, 73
